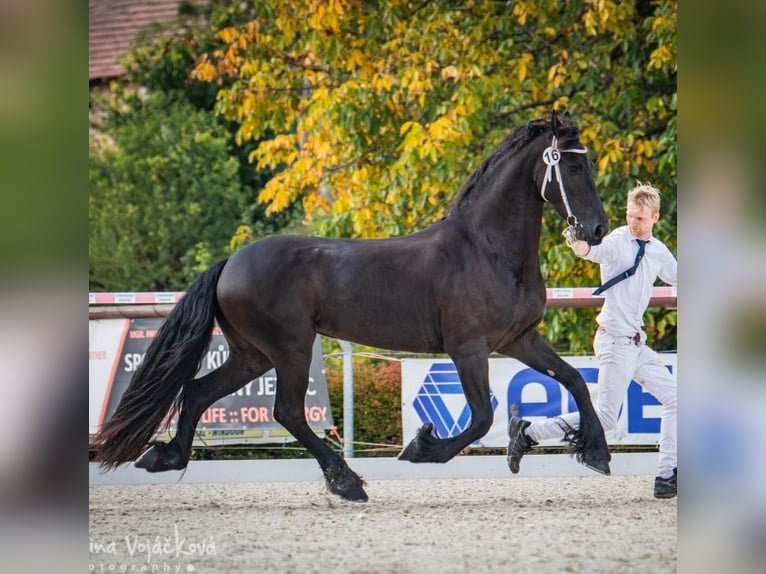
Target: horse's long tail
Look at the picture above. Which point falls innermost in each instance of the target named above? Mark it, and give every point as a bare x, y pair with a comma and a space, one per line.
171, 361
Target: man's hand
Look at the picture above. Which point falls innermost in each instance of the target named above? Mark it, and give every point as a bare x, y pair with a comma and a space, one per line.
580, 248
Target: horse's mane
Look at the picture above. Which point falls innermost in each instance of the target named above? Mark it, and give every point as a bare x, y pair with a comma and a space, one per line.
518, 139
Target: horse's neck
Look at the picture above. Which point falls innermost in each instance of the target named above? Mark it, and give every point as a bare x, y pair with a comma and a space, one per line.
508, 215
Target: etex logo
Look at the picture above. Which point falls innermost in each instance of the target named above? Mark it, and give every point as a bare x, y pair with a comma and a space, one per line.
538, 395
440, 397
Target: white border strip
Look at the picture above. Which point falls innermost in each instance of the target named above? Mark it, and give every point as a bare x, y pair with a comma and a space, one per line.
388, 468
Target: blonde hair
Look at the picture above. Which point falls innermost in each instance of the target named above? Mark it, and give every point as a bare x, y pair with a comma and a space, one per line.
645, 195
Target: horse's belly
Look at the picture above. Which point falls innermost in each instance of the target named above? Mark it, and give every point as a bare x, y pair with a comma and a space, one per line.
401, 331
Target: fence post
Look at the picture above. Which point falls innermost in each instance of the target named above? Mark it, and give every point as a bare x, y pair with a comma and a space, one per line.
348, 399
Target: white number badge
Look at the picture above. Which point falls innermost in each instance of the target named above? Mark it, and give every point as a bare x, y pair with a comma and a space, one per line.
551, 156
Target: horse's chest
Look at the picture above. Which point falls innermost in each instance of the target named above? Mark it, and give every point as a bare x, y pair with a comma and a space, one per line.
518, 310
518, 313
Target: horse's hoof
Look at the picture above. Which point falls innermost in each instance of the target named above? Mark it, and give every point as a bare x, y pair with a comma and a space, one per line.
410, 453
600, 465
595, 458
353, 494
421, 448
161, 457
344, 482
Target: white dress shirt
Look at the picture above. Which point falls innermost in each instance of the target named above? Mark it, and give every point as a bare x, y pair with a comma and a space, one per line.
626, 302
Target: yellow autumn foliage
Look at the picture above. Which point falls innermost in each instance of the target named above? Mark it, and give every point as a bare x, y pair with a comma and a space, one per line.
373, 118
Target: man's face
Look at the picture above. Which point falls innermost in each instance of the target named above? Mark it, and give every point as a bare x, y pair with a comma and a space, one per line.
641, 220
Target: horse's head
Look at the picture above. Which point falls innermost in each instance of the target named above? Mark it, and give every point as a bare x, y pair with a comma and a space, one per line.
565, 179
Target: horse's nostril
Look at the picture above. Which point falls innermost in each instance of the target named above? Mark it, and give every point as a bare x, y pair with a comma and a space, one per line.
599, 232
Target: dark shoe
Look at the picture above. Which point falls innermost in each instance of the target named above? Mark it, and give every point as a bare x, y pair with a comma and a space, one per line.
666, 487
519, 444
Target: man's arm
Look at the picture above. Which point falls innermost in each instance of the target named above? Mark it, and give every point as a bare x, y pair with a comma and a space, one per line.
669, 271
604, 252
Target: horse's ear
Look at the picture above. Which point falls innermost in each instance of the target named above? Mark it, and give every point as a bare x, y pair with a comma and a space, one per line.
555, 123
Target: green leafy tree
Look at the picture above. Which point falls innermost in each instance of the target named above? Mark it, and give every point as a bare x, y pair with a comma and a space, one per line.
158, 68
372, 114
165, 197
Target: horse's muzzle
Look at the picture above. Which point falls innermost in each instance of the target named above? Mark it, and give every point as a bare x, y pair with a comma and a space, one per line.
591, 236
599, 232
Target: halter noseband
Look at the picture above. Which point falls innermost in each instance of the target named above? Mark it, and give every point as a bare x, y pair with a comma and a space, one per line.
551, 157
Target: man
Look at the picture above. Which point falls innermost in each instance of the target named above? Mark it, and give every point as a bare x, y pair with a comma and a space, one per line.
631, 259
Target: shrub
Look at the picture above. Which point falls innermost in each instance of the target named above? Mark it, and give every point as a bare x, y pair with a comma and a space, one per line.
377, 404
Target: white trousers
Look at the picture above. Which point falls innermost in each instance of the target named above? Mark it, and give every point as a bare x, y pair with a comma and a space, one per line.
621, 360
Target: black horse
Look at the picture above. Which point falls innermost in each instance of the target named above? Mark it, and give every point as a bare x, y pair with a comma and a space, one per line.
468, 285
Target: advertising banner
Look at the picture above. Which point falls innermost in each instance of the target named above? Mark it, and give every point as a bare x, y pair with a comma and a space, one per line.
117, 347
431, 391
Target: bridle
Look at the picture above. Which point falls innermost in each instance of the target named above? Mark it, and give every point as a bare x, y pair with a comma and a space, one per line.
551, 157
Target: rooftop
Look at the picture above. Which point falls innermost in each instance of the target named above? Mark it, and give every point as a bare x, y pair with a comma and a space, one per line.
113, 26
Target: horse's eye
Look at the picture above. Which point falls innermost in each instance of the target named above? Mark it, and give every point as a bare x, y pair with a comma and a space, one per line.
574, 168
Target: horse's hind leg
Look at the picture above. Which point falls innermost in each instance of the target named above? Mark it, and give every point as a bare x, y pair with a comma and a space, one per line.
289, 411
588, 442
239, 369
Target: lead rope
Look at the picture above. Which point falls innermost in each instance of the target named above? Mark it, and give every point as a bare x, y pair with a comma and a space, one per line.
551, 157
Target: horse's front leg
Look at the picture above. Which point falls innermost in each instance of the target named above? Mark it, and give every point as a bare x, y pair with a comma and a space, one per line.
588, 441
473, 368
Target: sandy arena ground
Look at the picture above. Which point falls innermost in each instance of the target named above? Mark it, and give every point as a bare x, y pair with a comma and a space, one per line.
519, 524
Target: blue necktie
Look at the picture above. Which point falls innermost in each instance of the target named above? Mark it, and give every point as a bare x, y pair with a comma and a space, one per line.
628, 272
